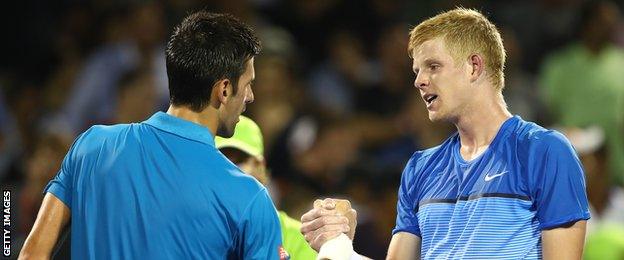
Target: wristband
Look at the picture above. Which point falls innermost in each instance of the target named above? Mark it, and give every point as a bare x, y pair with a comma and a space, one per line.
356, 256
338, 248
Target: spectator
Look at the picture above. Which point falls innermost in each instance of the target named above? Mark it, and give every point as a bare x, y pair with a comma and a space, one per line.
583, 83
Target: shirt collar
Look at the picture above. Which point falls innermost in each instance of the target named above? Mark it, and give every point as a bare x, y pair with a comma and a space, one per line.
181, 127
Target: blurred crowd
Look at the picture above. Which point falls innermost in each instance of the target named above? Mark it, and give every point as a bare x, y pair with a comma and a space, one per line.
334, 92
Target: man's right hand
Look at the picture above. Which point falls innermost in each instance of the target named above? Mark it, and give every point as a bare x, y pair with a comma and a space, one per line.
328, 219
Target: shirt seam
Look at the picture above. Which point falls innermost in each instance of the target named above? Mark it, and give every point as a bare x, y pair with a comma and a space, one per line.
179, 135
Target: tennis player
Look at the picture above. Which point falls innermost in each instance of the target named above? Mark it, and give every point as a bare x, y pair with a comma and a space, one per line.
160, 189
500, 187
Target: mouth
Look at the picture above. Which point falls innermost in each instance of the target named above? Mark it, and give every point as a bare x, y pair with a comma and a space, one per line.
429, 98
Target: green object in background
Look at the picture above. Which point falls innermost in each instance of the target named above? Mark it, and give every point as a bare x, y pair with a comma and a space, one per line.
247, 138
294, 242
582, 89
606, 243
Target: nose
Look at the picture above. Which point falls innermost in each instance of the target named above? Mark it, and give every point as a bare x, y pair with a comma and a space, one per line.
421, 81
250, 96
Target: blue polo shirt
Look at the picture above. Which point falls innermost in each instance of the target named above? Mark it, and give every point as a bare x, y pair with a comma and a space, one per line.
496, 205
161, 190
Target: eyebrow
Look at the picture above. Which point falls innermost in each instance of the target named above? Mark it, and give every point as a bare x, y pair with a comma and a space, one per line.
431, 60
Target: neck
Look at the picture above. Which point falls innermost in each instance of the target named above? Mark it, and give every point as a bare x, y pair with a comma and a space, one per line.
478, 127
207, 117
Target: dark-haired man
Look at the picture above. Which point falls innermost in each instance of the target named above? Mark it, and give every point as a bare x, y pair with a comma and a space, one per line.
160, 189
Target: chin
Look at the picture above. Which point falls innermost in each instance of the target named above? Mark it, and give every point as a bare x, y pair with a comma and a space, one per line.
438, 117
226, 135
434, 117
225, 132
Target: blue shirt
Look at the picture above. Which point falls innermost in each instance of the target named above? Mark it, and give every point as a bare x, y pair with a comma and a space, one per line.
161, 190
528, 180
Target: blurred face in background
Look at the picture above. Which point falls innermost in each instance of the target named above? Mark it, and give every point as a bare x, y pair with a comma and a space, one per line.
279, 85
250, 165
147, 24
395, 66
443, 85
137, 99
601, 23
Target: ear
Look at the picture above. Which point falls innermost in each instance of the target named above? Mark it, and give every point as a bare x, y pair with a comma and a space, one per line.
221, 91
477, 67
262, 161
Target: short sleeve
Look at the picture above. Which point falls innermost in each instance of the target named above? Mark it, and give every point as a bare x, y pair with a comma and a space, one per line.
407, 219
61, 186
557, 181
260, 232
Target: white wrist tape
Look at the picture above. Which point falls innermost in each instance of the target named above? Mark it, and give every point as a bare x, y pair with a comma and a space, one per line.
338, 248
355, 256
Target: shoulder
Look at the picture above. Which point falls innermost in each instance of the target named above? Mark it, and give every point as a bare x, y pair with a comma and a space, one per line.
423, 159
535, 140
243, 188
106, 131
97, 136
235, 176
245, 183
534, 134
432, 155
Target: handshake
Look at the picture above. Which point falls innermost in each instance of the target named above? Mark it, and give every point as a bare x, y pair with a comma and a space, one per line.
329, 228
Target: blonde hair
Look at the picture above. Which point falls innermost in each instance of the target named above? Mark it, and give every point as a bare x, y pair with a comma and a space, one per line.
465, 32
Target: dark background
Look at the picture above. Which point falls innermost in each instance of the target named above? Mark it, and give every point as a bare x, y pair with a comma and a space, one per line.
334, 90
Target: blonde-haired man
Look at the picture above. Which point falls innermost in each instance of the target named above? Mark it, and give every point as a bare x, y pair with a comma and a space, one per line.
500, 187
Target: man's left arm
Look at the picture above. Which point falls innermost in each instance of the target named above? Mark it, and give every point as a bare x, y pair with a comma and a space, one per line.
564, 242
557, 186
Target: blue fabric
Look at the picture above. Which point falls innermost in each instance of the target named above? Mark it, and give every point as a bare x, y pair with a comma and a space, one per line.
496, 205
161, 190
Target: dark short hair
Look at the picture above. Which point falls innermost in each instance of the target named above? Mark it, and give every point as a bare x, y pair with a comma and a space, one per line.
203, 49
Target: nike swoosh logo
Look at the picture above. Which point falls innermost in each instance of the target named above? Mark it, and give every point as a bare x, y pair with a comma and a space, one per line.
490, 177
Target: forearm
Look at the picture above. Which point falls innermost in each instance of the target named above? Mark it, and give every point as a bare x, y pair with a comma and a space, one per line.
52, 218
30, 252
